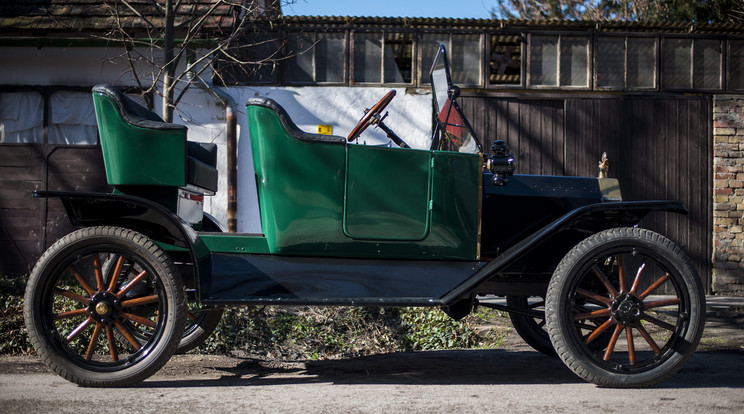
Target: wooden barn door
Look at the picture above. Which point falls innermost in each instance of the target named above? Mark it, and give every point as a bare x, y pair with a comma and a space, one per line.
659, 148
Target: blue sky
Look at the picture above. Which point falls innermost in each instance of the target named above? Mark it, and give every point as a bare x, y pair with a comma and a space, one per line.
475, 9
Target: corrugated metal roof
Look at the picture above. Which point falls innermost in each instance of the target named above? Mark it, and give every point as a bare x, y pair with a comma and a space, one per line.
42, 16
514, 24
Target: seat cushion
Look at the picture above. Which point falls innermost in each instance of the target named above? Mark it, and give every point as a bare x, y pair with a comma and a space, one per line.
134, 113
205, 152
290, 126
201, 174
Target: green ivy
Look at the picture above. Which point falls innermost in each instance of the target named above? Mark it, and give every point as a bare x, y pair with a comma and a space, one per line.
302, 332
432, 329
13, 334
313, 332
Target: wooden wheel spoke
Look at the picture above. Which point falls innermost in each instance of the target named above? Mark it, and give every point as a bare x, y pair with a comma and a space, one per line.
71, 314
637, 279
631, 345
648, 339
145, 300
537, 305
659, 322
654, 286
585, 326
78, 330
613, 341
191, 316
80, 279
115, 276
594, 314
93, 340
599, 330
112, 343
99, 273
605, 282
132, 283
621, 274
661, 303
138, 319
594, 298
127, 334
73, 296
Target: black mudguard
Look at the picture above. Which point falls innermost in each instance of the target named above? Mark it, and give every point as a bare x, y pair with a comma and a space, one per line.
581, 222
135, 213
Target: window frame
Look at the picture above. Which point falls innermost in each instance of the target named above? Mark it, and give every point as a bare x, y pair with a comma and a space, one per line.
488, 37
46, 93
727, 62
522, 39
589, 59
351, 57
316, 38
626, 38
691, 86
45, 96
424, 67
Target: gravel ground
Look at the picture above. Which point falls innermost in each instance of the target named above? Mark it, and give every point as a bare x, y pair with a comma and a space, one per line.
508, 379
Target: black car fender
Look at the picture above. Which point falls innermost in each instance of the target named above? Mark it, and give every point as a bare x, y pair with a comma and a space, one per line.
583, 221
135, 213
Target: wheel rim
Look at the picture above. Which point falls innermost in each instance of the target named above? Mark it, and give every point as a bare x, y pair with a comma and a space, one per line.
88, 314
635, 297
534, 319
195, 314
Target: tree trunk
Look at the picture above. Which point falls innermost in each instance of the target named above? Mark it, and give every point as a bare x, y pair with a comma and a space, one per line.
170, 65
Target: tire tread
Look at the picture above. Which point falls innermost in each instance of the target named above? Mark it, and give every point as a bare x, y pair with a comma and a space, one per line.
552, 310
144, 247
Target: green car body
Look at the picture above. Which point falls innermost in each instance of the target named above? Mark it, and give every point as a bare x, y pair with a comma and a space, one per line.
328, 198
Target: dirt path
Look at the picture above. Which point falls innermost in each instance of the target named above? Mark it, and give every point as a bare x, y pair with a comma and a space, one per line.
509, 379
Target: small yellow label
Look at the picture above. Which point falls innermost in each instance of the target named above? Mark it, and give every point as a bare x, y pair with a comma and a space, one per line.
325, 129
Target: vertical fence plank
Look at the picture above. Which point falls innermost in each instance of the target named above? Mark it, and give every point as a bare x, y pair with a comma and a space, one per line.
659, 148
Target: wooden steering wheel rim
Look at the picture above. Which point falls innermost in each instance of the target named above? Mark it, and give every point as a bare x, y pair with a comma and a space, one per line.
365, 121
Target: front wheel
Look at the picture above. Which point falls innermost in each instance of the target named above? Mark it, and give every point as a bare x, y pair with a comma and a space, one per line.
79, 317
200, 322
636, 286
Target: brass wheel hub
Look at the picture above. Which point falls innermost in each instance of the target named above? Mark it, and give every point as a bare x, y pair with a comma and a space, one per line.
104, 307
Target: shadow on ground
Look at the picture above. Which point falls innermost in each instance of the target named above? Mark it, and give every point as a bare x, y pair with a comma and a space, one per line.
705, 369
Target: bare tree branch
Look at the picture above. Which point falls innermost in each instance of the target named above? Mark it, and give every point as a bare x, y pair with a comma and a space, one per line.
136, 12
623, 10
159, 35
158, 7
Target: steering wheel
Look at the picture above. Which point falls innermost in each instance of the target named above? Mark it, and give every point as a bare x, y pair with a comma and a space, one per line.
370, 116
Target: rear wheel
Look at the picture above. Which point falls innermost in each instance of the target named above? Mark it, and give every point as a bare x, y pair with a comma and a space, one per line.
201, 321
79, 318
636, 286
529, 322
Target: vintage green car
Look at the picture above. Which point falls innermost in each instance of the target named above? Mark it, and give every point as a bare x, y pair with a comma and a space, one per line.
147, 273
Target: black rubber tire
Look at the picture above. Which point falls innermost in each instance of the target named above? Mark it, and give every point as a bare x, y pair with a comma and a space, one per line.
206, 319
196, 331
59, 271
530, 329
608, 251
